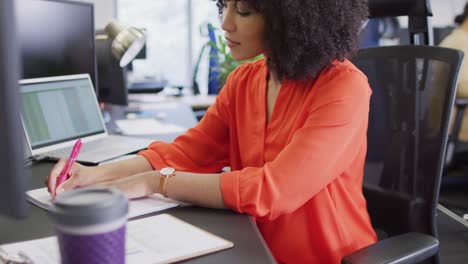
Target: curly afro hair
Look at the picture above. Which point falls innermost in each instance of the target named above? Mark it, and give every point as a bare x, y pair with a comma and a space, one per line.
303, 37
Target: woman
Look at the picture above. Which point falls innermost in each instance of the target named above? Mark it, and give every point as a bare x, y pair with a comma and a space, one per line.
292, 128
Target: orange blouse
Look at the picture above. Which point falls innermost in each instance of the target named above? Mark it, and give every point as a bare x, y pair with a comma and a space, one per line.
300, 174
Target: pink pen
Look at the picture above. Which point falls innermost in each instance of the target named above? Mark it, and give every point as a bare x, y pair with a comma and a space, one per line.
66, 169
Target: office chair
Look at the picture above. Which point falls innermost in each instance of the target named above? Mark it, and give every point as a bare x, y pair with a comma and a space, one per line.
413, 94
213, 68
408, 121
456, 161
213, 71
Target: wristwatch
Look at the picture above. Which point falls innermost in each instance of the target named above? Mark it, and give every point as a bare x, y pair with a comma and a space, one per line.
165, 174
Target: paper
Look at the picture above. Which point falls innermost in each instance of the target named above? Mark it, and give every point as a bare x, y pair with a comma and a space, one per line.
157, 239
137, 207
164, 239
43, 250
147, 126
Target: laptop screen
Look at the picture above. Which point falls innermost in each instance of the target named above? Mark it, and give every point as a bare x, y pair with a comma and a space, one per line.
56, 111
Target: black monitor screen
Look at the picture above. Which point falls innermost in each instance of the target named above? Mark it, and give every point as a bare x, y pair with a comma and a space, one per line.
56, 38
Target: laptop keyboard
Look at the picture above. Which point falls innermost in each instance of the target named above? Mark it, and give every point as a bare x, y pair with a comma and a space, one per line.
112, 146
60, 152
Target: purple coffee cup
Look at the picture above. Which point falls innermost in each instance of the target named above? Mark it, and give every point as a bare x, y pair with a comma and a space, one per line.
90, 225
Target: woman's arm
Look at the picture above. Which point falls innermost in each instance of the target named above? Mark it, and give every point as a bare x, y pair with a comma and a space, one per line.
205, 147
197, 189
123, 168
83, 175
201, 149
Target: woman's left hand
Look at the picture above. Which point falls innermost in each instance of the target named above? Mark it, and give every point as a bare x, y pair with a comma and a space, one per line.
136, 186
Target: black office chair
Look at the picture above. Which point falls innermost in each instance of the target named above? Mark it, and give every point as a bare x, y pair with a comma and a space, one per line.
456, 160
413, 94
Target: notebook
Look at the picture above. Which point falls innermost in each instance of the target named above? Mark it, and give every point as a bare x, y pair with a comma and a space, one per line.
58, 110
157, 239
136, 207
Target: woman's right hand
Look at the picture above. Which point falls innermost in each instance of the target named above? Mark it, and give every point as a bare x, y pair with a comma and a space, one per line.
79, 175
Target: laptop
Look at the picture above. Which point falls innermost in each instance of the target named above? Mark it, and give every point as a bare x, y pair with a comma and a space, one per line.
56, 111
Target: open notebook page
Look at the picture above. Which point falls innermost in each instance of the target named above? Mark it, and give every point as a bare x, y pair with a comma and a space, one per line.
137, 207
156, 239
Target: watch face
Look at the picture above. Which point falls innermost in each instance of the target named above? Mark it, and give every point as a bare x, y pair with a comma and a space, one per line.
167, 171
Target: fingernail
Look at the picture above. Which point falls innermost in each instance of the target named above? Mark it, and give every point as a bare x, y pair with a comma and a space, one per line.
59, 191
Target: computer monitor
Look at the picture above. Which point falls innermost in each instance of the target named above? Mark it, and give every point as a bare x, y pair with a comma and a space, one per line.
13, 180
56, 38
112, 78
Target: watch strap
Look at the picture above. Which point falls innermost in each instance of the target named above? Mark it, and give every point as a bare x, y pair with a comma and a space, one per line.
163, 182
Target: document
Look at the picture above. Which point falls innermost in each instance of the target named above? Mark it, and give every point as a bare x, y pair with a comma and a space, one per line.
136, 207
157, 239
147, 126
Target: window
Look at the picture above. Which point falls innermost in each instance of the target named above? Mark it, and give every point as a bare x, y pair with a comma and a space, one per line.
174, 39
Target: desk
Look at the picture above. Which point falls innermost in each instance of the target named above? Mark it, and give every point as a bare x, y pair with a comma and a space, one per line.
197, 102
170, 109
249, 247
176, 113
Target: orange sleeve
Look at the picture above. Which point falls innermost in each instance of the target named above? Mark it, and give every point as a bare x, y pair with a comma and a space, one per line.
201, 149
318, 153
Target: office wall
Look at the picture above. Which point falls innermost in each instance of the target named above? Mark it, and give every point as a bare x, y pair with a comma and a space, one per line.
104, 11
444, 12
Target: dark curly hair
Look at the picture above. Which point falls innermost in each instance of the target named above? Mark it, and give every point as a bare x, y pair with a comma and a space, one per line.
304, 37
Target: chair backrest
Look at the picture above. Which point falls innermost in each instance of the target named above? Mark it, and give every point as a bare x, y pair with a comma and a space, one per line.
413, 93
213, 67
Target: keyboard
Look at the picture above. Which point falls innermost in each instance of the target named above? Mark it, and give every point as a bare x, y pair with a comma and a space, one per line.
103, 149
